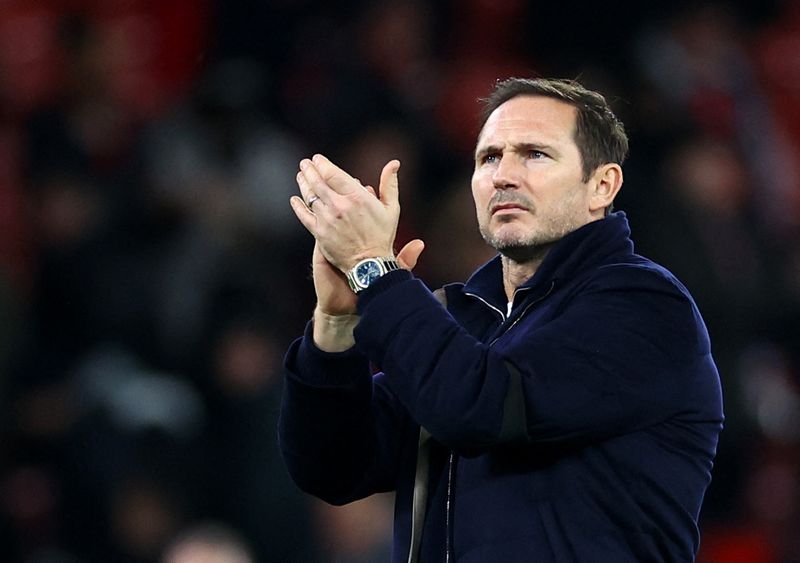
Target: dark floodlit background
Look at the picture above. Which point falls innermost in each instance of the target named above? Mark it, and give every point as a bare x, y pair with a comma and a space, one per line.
152, 272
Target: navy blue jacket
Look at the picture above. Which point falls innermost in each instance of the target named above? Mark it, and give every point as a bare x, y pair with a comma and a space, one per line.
582, 427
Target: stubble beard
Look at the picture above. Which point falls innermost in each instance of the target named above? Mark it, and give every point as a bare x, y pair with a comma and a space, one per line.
522, 246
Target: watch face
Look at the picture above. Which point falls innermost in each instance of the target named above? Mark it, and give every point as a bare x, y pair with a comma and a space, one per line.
367, 272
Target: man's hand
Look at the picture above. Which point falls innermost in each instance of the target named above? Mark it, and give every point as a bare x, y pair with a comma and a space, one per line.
348, 222
361, 214
334, 296
335, 315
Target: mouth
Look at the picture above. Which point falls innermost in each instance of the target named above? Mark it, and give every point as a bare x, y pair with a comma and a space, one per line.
507, 208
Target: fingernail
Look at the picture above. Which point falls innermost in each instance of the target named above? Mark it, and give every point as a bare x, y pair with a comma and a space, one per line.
304, 164
317, 158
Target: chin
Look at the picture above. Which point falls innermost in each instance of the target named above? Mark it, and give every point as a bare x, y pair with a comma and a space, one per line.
525, 253
509, 236
519, 245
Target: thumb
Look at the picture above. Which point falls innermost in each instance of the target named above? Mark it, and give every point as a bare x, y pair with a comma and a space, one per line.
409, 254
389, 189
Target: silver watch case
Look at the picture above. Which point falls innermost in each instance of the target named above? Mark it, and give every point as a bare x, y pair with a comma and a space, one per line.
368, 270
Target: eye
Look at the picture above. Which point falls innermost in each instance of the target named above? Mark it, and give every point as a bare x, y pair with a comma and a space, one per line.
536, 154
490, 158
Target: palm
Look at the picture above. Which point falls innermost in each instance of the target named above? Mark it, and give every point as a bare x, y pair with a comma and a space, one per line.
333, 292
334, 296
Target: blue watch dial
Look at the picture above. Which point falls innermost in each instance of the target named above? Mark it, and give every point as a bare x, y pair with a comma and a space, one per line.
368, 272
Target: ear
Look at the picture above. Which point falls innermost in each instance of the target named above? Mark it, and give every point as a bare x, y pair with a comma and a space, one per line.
605, 184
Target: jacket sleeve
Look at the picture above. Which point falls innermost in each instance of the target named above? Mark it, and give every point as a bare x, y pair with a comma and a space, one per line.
340, 431
626, 351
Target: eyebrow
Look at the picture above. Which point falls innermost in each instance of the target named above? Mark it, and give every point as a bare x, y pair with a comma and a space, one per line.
524, 146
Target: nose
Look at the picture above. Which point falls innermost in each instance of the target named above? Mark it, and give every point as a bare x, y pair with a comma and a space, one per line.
506, 175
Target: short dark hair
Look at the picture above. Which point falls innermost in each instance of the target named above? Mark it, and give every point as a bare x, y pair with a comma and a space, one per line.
600, 136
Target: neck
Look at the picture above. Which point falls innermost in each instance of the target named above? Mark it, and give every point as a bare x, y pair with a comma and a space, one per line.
515, 272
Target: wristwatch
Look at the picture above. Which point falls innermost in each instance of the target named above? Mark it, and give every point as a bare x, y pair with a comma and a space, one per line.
368, 270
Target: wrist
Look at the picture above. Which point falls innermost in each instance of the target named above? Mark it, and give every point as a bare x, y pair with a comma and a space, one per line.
334, 333
350, 263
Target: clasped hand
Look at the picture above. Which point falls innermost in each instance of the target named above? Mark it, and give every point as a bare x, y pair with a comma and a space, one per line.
350, 222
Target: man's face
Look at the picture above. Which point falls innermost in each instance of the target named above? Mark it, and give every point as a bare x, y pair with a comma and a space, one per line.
527, 182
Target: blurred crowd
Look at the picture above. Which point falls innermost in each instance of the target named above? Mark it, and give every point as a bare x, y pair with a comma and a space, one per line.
152, 272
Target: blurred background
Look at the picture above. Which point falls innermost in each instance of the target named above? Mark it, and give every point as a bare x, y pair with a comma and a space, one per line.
152, 272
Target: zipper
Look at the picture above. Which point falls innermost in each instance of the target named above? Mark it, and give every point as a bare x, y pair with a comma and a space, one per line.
525, 310
451, 461
485, 302
450, 469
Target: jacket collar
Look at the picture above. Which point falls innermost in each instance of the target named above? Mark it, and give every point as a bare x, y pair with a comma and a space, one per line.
578, 251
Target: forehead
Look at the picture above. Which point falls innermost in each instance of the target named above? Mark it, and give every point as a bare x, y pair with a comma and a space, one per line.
527, 117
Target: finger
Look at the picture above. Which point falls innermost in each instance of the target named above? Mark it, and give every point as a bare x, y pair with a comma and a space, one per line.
389, 186
410, 253
304, 214
315, 182
339, 180
305, 189
367, 187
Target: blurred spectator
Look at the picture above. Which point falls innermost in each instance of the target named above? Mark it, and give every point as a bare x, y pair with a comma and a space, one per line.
220, 159
699, 63
246, 484
398, 45
221, 173
208, 543
359, 532
779, 66
143, 517
484, 47
714, 243
764, 514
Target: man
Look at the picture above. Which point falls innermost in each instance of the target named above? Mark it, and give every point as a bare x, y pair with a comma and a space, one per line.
562, 406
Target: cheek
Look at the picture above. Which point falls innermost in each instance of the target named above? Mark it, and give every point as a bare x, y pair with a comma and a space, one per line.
571, 203
478, 193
